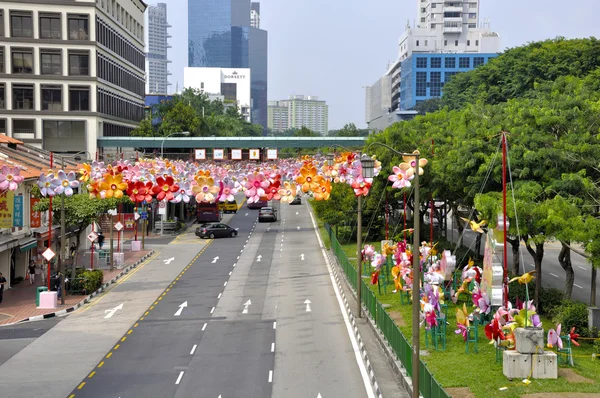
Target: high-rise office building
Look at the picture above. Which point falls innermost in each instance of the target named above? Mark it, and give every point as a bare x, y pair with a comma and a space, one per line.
448, 38
71, 73
255, 15
221, 36
301, 112
157, 62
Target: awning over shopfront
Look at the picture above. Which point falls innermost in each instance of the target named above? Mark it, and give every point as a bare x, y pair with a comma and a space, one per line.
7, 242
26, 244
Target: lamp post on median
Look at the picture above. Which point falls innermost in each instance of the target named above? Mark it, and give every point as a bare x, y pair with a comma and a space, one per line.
183, 133
416, 290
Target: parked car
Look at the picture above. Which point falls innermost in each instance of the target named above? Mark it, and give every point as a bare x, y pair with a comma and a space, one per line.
267, 214
296, 201
216, 230
257, 205
230, 206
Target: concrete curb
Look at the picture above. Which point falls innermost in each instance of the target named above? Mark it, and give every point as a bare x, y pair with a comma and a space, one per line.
392, 358
88, 298
363, 350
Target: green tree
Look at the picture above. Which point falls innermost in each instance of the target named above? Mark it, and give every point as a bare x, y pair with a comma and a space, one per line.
180, 118
145, 129
349, 130
306, 132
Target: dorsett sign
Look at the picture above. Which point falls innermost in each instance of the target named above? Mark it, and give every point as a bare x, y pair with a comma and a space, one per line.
234, 75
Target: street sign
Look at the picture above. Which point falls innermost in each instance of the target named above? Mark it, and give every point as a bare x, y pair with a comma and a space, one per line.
48, 254
136, 216
119, 226
92, 237
144, 215
162, 208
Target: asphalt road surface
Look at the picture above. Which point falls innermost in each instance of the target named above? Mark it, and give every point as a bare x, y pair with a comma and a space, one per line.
253, 316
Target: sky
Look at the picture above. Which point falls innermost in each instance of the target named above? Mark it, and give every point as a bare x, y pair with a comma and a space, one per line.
332, 49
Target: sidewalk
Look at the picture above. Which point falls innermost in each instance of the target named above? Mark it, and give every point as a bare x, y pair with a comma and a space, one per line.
19, 302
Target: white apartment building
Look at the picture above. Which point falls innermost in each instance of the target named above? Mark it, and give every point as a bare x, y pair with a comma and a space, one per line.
302, 111
157, 46
233, 84
448, 26
255, 15
71, 71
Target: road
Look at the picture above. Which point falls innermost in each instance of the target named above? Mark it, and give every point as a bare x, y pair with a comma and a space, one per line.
251, 316
552, 273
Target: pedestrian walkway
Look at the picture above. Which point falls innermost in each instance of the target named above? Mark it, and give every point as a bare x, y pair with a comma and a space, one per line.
19, 301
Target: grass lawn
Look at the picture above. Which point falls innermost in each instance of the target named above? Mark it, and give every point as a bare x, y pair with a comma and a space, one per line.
479, 372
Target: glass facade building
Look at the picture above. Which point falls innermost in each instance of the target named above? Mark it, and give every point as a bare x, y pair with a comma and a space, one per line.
219, 35
423, 75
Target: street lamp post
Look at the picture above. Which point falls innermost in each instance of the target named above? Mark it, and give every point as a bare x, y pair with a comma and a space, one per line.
416, 290
184, 133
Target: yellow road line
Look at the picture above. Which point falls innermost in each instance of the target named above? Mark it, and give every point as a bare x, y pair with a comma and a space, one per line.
117, 347
81, 385
101, 364
130, 331
123, 339
109, 355
92, 374
72, 396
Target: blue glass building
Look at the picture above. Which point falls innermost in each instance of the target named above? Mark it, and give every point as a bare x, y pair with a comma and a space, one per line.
423, 76
220, 36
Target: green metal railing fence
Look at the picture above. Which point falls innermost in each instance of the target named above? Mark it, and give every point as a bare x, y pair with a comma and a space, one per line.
428, 386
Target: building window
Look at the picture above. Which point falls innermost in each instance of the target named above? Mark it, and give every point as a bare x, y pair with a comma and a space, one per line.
445, 43
51, 61
477, 42
472, 15
50, 26
435, 84
1, 58
417, 43
22, 60
448, 75
468, 43
2, 96
436, 62
22, 96
478, 61
423, 9
21, 24
472, 25
421, 62
64, 135
422, 19
472, 5
464, 62
455, 43
24, 126
421, 87
2, 126
78, 27
79, 63
51, 98
79, 98
426, 43
450, 62
1, 23
433, 5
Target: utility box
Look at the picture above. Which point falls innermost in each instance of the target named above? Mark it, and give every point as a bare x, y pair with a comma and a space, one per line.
593, 317
545, 366
516, 365
529, 340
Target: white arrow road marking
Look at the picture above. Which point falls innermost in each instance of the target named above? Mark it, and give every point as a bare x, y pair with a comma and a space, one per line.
307, 302
302, 256
111, 312
246, 305
180, 376
258, 258
181, 307
215, 259
168, 261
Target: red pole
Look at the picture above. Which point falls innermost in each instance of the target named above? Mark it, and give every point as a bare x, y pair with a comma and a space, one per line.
92, 259
505, 279
50, 225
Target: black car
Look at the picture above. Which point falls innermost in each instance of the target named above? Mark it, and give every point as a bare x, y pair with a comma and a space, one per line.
216, 230
296, 201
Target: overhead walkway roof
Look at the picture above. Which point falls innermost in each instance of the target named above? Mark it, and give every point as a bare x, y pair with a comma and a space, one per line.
229, 142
